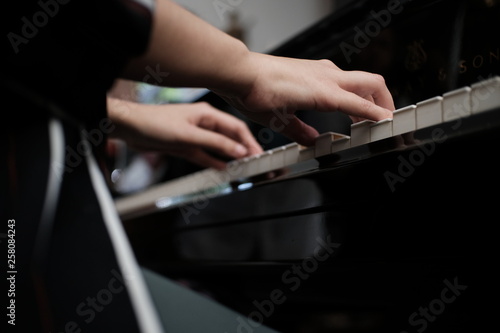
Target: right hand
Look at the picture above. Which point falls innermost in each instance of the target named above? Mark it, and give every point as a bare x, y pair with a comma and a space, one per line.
284, 85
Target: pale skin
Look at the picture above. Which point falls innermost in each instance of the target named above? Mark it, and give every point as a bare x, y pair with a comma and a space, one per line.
188, 131
196, 54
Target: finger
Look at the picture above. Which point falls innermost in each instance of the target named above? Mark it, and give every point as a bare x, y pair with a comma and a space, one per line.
368, 84
238, 131
369, 98
217, 142
293, 128
356, 119
384, 99
233, 128
354, 105
300, 132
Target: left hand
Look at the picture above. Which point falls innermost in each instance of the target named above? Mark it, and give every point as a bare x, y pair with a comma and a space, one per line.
183, 130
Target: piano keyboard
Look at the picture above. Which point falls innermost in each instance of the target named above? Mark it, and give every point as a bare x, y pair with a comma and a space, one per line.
464, 102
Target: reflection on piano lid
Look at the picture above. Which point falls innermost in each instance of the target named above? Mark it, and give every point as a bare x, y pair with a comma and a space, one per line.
375, 137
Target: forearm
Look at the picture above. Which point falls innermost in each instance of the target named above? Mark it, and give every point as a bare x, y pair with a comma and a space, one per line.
122, 114
186, 51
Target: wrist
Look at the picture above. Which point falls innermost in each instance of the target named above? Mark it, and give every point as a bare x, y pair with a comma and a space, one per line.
121, 114
237, 76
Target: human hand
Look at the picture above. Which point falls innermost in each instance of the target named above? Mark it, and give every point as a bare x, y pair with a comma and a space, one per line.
284, 85
267, 89
183, 130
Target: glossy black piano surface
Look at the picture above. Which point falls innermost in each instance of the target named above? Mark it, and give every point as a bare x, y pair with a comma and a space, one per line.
393, 236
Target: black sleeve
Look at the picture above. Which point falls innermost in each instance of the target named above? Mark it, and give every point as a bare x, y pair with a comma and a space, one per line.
71, 51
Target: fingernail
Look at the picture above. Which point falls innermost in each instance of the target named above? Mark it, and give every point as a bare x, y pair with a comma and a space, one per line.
240, 150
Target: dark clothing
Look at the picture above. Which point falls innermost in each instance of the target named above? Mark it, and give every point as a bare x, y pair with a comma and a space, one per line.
59, 60
71, 51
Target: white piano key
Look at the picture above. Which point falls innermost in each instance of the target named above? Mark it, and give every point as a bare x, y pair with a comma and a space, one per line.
149, 197
380, 130
191, 183
178, 186
209, 178
485, 95
404, 120
291, 153
236, 169
343, 142
251, 166
264, 162
239, 168
278, 158
360, 132
456, 104
306, 153
197, 181
429, 112
323, 143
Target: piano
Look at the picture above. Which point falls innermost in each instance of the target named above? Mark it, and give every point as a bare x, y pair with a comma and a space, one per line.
380, 226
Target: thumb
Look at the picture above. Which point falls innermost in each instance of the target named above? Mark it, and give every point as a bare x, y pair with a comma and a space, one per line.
293, 128
300, 132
